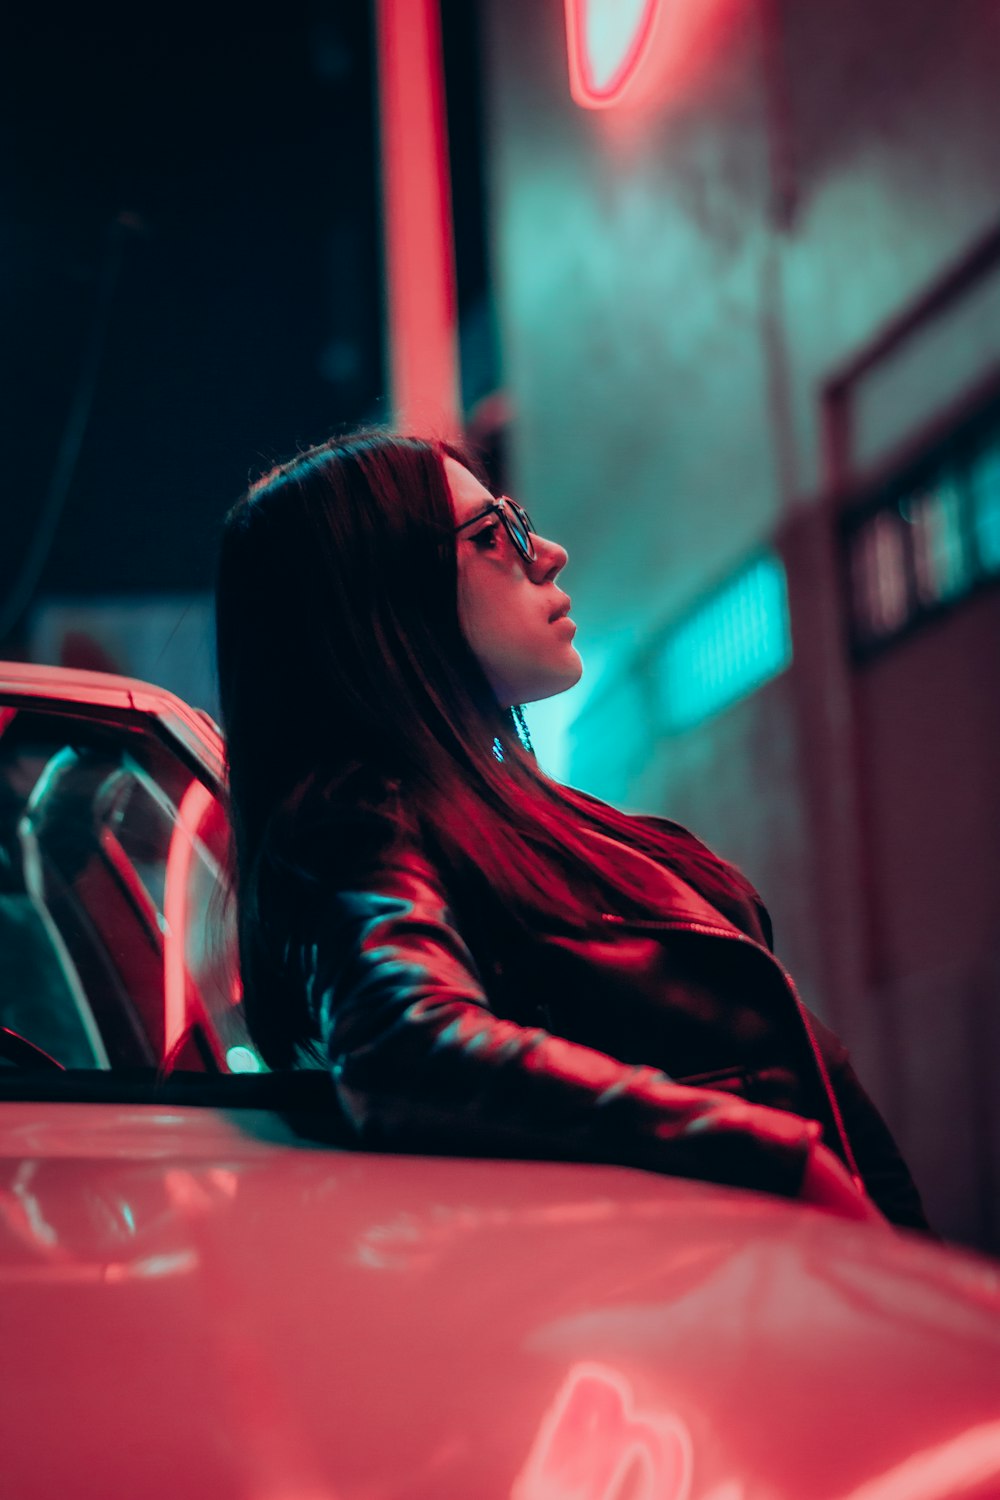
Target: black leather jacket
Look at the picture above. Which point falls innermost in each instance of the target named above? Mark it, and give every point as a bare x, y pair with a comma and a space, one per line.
678, 1045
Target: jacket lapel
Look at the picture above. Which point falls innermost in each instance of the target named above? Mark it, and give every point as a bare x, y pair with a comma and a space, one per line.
668, 892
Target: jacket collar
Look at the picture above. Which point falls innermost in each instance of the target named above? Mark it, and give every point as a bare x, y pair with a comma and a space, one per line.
669, 892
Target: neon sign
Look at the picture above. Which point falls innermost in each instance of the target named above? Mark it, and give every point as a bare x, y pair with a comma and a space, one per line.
607, 42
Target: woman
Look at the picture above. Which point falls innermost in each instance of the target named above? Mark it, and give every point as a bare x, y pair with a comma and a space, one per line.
486, 960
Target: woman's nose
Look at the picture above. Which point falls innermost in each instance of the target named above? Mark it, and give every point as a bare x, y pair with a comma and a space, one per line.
550, 559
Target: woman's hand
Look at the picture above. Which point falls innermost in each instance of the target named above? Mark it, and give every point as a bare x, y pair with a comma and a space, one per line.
828, 1184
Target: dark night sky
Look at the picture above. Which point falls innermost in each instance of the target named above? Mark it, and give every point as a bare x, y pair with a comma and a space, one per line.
247, 316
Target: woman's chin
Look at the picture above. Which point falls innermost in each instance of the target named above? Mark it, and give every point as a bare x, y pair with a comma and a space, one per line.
576, 669
559, 680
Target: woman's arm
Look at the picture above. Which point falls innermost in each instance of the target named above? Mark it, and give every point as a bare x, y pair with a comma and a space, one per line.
421, 1062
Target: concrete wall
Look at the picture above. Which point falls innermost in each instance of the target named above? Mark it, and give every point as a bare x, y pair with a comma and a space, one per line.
677, 285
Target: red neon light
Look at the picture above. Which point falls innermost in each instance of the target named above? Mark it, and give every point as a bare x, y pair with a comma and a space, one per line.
592, 1441
584, 21
195, 803
416, 189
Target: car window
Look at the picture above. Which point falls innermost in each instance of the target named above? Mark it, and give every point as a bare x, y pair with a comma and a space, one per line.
117, 945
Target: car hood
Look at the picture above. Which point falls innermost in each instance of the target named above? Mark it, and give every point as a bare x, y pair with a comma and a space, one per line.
195, 1303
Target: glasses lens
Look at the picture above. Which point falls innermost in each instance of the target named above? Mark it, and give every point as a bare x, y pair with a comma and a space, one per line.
521, 528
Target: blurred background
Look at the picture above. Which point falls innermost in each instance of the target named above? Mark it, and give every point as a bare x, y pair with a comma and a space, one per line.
713, 286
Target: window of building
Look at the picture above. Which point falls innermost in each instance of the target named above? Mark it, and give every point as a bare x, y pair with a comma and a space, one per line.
926, 540
727, 647
735, 639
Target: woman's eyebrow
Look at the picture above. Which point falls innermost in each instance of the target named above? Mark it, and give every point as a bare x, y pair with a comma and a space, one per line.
482, 516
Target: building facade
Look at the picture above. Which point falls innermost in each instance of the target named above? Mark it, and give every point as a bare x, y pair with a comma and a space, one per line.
750, 330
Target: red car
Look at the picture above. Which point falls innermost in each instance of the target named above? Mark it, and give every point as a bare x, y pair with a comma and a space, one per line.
209, 1293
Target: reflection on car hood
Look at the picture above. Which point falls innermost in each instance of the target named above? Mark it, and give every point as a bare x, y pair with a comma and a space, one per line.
194, 1304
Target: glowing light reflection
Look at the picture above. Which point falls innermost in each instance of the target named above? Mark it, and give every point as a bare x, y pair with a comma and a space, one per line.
177, 1264
195, 804
943, 1472
242, 1060
592, 1442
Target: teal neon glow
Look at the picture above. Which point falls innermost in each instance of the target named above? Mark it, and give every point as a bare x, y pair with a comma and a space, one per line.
938, 548
985, 487
728, 648
242, 1060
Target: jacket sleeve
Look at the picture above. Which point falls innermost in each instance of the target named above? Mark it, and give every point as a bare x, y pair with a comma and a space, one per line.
886, 1176
421, 1062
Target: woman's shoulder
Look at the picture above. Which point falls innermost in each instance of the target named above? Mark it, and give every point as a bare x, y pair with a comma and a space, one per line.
749, 909
655, 821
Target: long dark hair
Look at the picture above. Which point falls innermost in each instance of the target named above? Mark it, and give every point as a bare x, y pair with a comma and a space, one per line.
356, 715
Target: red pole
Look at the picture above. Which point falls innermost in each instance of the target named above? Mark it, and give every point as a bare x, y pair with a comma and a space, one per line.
416, 195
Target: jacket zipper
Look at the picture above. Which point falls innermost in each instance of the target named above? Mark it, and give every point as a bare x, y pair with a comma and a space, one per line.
741, 937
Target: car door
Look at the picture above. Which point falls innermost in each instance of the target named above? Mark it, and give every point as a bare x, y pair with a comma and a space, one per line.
117, 948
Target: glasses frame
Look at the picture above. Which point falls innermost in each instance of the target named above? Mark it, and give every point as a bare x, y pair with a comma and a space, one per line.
499, 507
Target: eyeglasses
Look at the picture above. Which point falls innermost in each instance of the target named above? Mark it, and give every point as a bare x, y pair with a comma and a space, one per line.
515, 519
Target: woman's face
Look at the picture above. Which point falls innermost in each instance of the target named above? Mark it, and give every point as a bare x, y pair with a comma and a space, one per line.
506, 606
